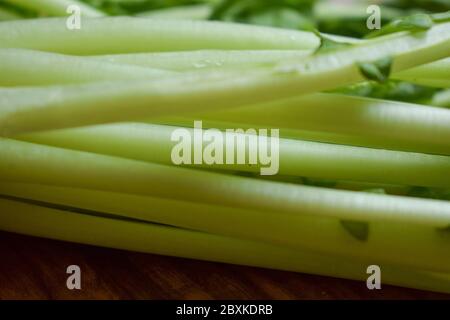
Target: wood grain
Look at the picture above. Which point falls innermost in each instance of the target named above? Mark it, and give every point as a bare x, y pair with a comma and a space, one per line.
35, 268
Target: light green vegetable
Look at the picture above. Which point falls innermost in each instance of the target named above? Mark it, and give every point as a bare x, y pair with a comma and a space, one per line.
359, 181
21, 67
339, 119
331, 10
416, 243
20, 158
126, 35
434, 74
57, 224
442, 99
296, 158
31, 109
30, 163
203, 59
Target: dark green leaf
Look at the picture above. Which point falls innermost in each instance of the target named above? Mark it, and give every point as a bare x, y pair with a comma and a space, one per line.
379, 70
441, 17
429, 193
391, 90
359, 230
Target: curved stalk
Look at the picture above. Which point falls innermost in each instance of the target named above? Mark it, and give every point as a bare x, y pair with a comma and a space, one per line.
434, 74
408, 243
28, 109
36, 164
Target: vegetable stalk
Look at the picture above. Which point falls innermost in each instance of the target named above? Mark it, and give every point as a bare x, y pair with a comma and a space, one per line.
29, 163
29, 67
153, 143
58, 107
126, 35
56, 224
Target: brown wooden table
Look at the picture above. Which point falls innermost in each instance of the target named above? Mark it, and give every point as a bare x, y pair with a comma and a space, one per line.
35, 268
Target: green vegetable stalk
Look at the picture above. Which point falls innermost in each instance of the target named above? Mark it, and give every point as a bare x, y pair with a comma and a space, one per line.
65, 106
153, 143
70, 226
25, 162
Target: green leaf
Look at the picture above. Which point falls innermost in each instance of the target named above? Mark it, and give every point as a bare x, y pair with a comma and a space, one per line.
441, 17
391, 90
379, 70
327, 44
359, 230
429, 193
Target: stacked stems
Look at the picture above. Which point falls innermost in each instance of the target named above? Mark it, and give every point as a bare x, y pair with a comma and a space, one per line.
68, 172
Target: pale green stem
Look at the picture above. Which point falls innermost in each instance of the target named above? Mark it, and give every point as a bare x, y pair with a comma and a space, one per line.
438, 70
21, 67
203, 59
126, 34
339, 119
434, 74
58, 107
400, 243
36, 164
61, 225
153, 143
442, 99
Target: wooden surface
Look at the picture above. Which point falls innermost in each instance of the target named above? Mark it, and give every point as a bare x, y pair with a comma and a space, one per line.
34, 268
